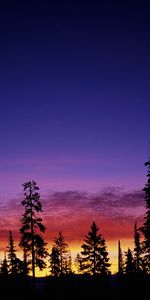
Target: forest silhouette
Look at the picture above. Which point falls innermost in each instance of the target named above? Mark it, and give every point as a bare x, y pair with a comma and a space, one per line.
92, 278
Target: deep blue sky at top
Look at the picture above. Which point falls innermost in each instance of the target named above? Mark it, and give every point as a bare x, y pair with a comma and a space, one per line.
74, 84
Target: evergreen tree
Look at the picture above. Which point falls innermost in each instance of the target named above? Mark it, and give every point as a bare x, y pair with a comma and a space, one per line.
32, 242
4, 267
137, 249
146, 226
62, 255
68, 263
120, 259
129, 262
54, 262
25, 262
94, 255
12, 258
78, 263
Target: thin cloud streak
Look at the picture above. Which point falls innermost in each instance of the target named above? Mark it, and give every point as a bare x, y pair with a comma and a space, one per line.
72, 212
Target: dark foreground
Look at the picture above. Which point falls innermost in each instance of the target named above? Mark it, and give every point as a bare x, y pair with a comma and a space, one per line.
132, 287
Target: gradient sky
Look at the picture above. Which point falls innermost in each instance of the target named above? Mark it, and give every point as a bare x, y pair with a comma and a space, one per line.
74, 113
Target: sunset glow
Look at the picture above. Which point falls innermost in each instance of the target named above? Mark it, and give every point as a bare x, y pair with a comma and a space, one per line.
74, 117
72, 212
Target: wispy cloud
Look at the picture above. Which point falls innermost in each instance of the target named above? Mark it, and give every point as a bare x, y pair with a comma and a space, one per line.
111, 208
72, 212
109, 202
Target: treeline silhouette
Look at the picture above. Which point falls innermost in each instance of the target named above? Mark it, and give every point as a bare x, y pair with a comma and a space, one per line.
92, 279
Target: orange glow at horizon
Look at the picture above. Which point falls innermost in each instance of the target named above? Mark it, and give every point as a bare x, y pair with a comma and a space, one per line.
72, 213
112, 248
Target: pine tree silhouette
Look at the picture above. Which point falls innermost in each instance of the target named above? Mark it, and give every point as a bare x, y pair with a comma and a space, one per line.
12, 258
146, 226
78, 263
137, 250
4, 267
120, 259
60, 257
32, 242
129, 262
94, 255
54, 262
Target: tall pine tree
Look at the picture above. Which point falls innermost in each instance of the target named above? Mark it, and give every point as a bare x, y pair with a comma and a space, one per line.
137, 250
12, 258
32, 242
146, 226
94, 255
120, 259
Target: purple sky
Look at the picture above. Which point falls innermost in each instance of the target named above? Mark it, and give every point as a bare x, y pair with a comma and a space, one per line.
74, 95
74, 113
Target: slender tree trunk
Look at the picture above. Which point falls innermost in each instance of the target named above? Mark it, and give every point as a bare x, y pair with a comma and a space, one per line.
32, 236
94, 271
120, 259
61, 262
25, 271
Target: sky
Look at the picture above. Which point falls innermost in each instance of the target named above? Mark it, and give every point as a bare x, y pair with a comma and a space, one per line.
74, 115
